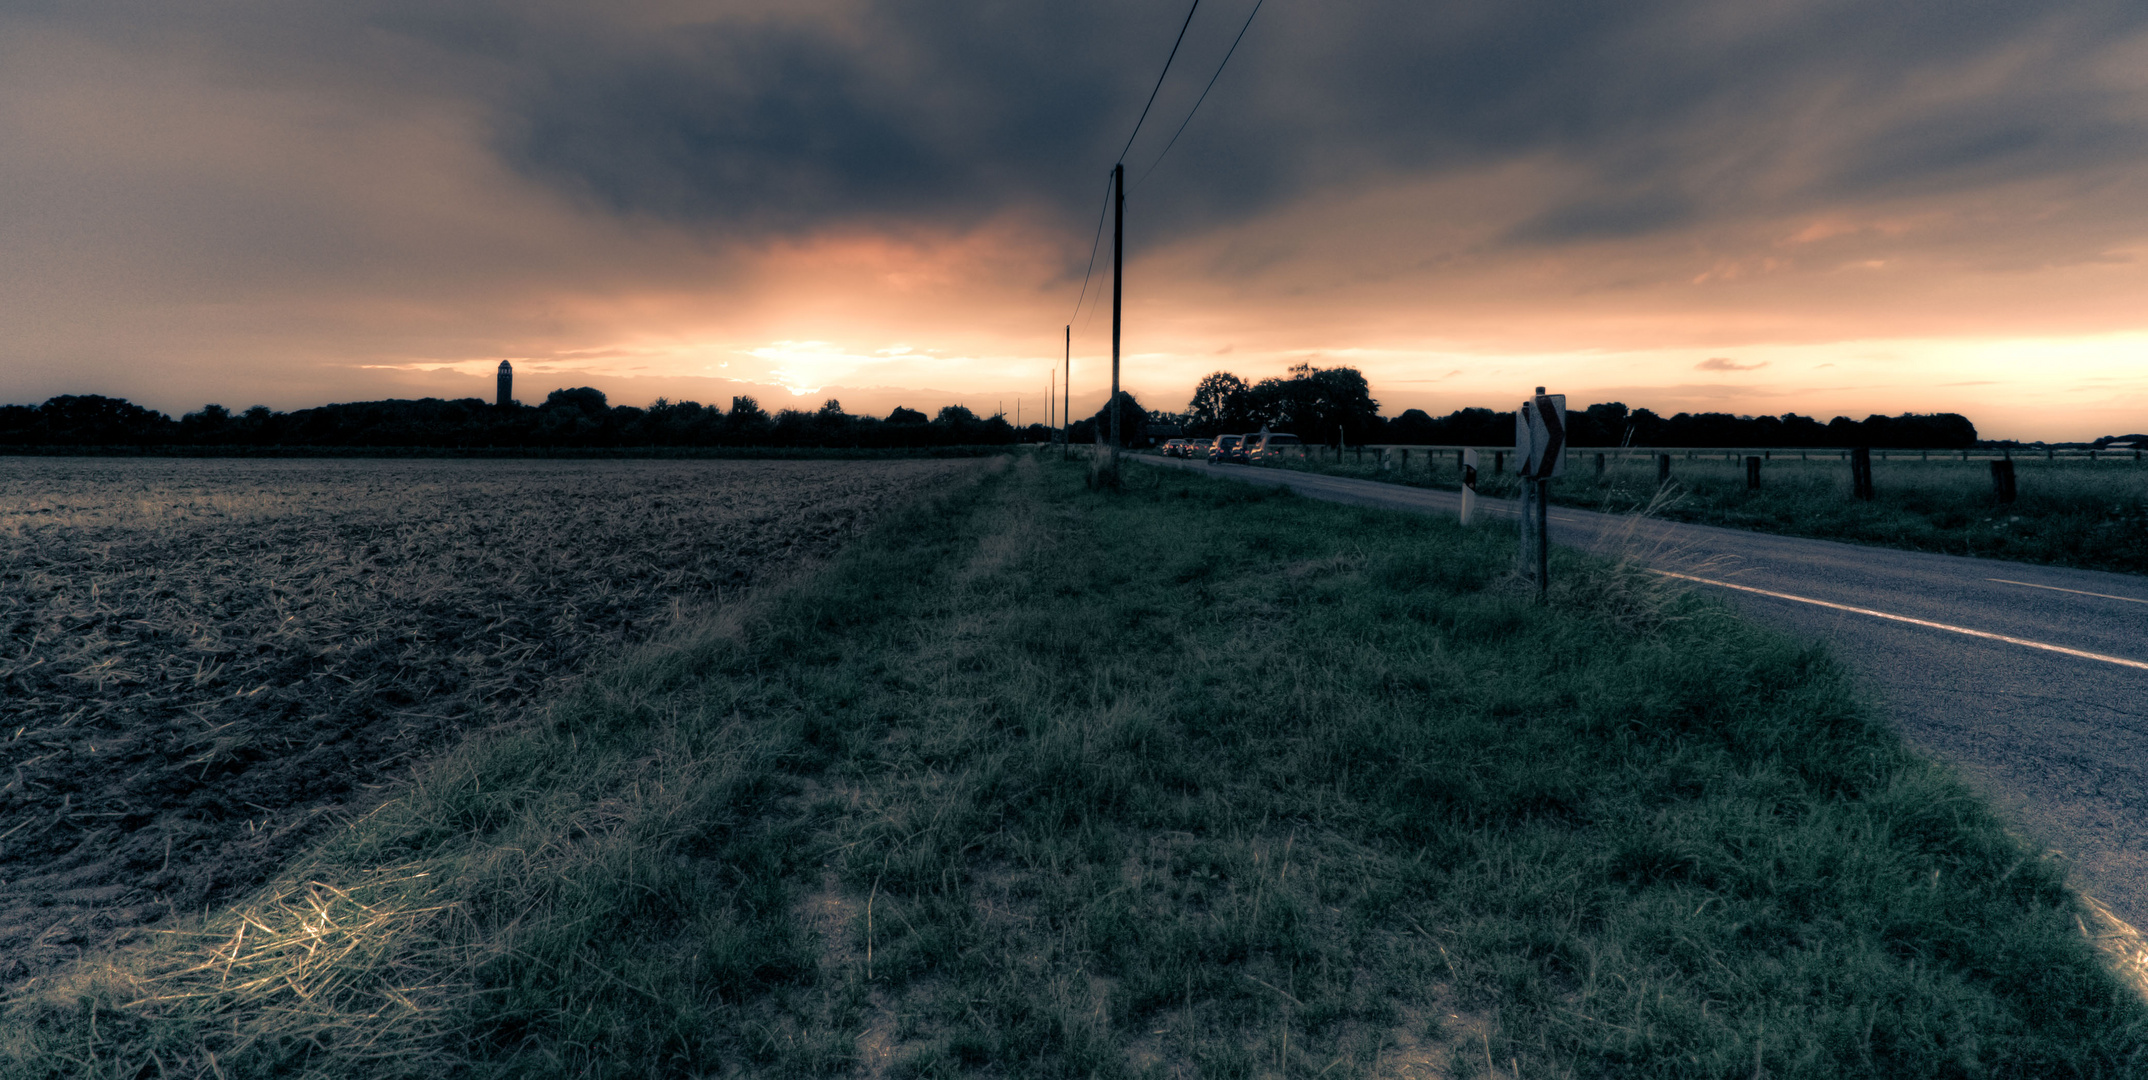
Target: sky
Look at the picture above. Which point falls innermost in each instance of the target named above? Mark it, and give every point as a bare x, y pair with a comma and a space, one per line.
1830, 208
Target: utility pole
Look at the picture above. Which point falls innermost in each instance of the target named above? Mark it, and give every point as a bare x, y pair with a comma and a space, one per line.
1118, 282
1066, 401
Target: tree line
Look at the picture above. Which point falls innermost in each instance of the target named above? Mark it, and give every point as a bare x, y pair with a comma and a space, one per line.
576, 418
1319, 405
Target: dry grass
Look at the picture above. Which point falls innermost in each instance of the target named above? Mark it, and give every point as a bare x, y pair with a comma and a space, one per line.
1012, 790
205, 661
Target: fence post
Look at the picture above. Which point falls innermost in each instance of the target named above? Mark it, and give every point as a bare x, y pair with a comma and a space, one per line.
1599, 466
1752, 473
1861, 472
2002, 481
1499, 461
1663, 469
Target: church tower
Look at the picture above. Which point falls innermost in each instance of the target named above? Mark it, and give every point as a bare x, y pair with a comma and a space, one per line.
507, 384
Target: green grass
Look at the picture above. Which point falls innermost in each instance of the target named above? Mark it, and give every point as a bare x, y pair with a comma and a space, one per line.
2070, 512
1031, 785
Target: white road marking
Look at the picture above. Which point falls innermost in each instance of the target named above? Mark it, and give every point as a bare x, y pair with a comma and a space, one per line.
2076, 592
2046, 646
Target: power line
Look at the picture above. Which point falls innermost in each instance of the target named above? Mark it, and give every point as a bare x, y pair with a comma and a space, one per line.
1138, 121
1093, 244
1204, 93
1160, 78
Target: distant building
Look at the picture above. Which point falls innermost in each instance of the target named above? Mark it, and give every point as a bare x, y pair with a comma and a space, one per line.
507, 384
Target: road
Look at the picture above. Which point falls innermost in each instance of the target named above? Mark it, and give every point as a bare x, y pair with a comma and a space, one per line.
2046, 714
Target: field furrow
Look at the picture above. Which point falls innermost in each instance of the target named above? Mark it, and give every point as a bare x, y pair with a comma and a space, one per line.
204, 661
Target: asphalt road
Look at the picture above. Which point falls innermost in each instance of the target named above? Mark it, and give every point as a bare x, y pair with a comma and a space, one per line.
2051, 725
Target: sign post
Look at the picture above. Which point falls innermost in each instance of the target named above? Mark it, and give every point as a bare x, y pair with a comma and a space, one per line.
1540, 450
1469, 484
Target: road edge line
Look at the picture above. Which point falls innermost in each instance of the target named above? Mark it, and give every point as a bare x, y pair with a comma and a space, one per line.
2046, 646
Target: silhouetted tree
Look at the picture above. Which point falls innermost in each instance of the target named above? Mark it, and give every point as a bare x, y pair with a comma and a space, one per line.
1218, 406
1315, 403
587, 400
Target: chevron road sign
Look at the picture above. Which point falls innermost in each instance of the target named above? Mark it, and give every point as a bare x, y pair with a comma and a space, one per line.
1540, 436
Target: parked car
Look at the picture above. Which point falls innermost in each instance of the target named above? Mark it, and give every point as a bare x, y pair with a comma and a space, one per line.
1229, 449
1176, 448
1270, 445
1199, 448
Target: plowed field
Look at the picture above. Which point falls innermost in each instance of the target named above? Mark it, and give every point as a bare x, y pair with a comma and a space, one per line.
204, 663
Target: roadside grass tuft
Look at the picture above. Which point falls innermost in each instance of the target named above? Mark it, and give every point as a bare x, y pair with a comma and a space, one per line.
1033, 784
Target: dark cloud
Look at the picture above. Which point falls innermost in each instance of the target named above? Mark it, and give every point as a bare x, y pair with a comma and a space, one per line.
752, 116
1606, 219
946, 112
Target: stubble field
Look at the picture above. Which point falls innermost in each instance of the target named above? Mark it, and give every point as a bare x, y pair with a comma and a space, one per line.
205, 662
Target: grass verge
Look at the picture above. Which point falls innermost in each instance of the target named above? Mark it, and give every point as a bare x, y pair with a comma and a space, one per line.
1028, 785
2073, 512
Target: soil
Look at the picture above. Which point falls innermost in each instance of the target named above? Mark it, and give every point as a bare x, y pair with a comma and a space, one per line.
206, 662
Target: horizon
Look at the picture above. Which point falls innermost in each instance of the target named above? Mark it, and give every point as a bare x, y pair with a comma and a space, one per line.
1790, 210
1081, 416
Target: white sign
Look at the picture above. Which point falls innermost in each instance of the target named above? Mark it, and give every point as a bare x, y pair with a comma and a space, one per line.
1540, 437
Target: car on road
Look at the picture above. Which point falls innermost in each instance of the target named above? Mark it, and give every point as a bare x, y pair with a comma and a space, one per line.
1270, 445
1229, 450
1177, 448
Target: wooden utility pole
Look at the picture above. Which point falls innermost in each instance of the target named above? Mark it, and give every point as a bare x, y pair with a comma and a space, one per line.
1118, 282
1066, 401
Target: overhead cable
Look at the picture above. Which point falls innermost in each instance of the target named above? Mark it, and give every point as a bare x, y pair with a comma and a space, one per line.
1093, 245
1204, 92
1160, 78
1138, 121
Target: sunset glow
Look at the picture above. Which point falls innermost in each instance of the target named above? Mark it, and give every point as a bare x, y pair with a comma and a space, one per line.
1892, 212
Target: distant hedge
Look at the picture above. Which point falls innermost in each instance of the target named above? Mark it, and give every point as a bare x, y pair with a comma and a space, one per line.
1613, 424
578, 419
581, 420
